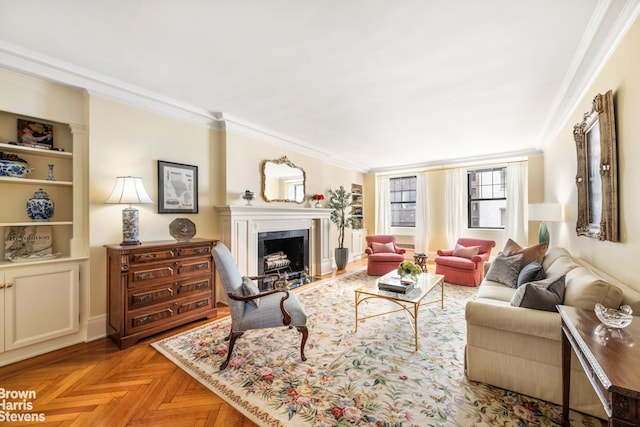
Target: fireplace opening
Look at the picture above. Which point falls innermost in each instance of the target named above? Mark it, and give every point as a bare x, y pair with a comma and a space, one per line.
285, 253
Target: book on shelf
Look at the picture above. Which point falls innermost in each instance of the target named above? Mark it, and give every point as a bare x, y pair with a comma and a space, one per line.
25, 241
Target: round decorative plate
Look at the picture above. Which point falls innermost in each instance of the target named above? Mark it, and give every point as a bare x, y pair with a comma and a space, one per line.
182, 229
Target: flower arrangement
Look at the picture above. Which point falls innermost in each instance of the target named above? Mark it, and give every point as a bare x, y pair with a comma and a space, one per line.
409, 268
317, 197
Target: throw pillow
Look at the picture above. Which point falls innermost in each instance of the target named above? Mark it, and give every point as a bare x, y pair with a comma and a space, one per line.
531, 273
466, 251
383, 247
505, 269
249, 287
529, 254
540, 295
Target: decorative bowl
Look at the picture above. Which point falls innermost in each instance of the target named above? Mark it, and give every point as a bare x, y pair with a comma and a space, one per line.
14, 168
182, 229
614, 318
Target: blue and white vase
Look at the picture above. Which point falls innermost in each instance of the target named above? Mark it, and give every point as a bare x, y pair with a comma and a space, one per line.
40, 206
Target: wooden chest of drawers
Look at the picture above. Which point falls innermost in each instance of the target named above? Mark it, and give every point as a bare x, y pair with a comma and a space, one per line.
157, 286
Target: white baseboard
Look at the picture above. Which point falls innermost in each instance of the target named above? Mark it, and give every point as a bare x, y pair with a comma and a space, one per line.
97, 327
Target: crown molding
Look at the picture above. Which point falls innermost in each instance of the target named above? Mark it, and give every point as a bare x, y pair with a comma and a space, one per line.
592, 53
243, 127
26, 61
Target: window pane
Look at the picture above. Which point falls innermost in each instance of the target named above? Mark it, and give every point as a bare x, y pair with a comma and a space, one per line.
487, 198
402, 196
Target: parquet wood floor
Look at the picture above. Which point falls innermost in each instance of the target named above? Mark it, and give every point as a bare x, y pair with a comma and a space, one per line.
96, 384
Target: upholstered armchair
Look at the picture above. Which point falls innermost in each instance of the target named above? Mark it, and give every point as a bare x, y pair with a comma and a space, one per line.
383, 254
252, 309
464, 264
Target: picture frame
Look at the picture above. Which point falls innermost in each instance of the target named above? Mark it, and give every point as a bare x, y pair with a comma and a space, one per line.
597, 171
177, 188
34, 134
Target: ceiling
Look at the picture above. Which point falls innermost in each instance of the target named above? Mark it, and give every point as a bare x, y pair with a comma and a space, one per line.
369, 84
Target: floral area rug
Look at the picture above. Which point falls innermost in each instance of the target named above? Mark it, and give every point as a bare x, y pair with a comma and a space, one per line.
372, 377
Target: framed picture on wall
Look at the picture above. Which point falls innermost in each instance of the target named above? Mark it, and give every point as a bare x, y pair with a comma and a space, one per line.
177, 188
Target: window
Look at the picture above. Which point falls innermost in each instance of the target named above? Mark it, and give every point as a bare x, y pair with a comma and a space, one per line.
403, 201
487, 197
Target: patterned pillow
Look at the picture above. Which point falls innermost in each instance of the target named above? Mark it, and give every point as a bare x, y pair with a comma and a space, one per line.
529, 255
540, 295
383, 247
531, 273
505, 269
466, 251
249, 287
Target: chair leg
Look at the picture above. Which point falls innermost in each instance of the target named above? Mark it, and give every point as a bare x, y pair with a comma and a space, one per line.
305, 334
233, 336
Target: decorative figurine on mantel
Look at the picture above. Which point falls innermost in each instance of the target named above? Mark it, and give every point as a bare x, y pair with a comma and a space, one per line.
249, 196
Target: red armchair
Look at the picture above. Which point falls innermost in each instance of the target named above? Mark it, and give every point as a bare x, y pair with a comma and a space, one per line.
383, 253
464, 265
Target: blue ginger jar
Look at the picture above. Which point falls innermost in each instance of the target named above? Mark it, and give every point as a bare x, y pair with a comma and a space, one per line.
40, 206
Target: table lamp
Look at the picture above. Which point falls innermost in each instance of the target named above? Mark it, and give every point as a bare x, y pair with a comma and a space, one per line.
546, 212
129, 190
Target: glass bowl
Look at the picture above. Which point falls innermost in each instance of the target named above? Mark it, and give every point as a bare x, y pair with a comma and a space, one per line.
614, 318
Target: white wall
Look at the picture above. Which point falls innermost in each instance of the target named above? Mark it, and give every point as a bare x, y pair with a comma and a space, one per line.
621, 75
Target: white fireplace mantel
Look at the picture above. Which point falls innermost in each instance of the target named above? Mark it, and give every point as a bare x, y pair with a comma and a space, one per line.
240, 225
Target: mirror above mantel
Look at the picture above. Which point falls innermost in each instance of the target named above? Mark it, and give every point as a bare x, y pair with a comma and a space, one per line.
283, 181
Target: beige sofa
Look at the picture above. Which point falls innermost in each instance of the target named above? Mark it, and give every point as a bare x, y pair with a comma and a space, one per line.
519, 349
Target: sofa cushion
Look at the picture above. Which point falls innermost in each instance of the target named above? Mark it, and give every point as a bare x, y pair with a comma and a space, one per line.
540, 295
553, 254
531, 273
560, 266
529, 254
585, 289
249, 287
466, 251
505, 269
383, 247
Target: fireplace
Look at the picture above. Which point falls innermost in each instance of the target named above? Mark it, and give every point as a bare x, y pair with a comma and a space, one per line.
285, 253
240, 227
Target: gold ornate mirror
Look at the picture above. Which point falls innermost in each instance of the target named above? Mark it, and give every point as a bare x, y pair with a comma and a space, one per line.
282, 181
597, 177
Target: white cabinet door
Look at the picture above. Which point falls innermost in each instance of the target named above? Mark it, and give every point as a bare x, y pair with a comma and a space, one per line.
41, 302
357, 243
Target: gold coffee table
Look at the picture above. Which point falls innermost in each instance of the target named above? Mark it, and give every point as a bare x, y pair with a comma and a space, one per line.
409, 302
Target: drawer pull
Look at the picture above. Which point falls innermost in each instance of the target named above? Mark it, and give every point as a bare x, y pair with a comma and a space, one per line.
173, 252
201, 304
9, 285
143, 320
170, 291
146, 256
202, 251
144, 276
202, 266
201, 285
143, 298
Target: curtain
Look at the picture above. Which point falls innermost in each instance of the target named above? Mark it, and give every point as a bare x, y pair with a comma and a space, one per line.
455, 204
421, 239
383, 206
517, 199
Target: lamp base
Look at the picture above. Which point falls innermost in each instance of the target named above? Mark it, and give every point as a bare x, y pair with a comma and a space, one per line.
543, 234
130, 229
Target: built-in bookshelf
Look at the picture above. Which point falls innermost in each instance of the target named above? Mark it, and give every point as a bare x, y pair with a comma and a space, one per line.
357, 207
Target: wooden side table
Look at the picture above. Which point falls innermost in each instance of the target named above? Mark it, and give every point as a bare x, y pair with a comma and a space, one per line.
421, 260
609, 357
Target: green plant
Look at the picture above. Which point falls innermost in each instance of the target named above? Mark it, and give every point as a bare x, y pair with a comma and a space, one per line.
340, 204
407, 268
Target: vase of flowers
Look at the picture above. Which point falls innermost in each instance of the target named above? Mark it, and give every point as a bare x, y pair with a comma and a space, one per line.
409, 271
318, 199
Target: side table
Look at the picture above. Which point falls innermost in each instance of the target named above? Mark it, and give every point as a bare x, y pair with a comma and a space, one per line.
421, 260
609, 357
